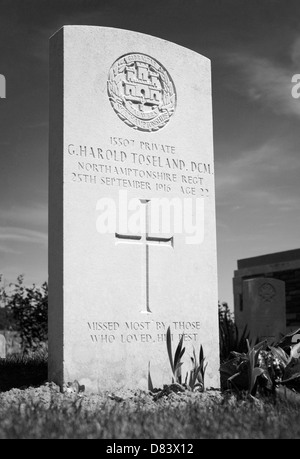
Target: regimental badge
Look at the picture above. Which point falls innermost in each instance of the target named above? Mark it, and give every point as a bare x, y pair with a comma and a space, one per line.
267, 292
141, 92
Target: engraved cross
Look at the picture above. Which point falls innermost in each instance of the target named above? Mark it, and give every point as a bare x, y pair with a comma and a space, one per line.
145, 240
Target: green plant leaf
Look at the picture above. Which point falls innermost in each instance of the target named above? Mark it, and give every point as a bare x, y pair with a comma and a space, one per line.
288, 340
201, 354
193, 378
233, 377
256, 372
150, 385
279, 353
181, 353
292, 368
178, 351
295, 351
261, 345
169, 348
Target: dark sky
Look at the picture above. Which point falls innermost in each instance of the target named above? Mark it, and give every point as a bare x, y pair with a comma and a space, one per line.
254, 46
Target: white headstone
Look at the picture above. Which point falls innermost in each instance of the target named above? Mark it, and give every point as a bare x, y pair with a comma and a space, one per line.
132, 235
263, 309
2, 347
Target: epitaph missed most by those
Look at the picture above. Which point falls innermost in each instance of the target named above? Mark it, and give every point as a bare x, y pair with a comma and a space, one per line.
132, 233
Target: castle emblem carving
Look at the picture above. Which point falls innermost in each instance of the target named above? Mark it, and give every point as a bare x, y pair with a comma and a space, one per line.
141, 92
267, 292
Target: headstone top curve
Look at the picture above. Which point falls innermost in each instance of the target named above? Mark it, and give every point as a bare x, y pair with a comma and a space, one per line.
126, 31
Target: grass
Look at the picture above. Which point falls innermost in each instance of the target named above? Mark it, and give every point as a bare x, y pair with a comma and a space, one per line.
44, 412
178, 417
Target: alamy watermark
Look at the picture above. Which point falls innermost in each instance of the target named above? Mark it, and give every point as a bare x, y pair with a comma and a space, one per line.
296, 338
2, 87
132, 218
296, 87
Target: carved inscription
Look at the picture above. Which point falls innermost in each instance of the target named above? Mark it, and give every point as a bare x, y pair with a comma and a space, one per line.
141, 332
131, 164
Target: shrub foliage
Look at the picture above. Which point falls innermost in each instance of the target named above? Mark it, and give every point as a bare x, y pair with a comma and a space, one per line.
230, 340
28, 308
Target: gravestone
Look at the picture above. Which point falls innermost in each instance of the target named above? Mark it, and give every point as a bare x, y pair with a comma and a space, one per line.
262, 309
2, 347
284, 266
132, 232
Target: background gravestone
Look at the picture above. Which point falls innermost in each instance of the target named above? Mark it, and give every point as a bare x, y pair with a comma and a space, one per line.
130, 122
263, 308
284, 266
2, 347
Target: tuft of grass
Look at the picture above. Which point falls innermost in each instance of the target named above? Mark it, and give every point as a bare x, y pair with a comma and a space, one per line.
195, 378
150, 383
175, 363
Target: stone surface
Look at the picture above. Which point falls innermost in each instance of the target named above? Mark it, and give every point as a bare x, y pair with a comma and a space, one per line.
262, 309
2, 347
130, 125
